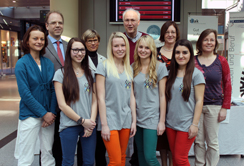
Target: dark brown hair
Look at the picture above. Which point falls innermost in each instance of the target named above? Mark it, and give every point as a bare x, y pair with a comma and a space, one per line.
70, 82
25, 46
53, 11
205, 33
174, 69
165, 27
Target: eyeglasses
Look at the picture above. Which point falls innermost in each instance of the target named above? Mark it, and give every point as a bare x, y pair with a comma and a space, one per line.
76, 50
127, 21
56, 23
168, 32
90, 41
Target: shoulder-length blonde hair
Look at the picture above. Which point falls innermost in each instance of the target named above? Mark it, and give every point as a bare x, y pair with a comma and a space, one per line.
111, 68
152, 73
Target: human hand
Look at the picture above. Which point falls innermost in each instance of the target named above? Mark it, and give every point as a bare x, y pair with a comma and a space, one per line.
44, 124
133, 130
222, 114
87, 133
89, 124
105, 133
192, 131
160, 128
49, 118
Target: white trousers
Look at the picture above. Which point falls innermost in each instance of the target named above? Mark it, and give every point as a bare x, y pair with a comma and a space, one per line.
208, 131
28, 132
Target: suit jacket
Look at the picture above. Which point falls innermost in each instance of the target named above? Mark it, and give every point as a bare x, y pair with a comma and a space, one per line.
91, 64
52, 54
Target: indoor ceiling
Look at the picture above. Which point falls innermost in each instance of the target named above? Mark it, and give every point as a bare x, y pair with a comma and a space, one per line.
24, 3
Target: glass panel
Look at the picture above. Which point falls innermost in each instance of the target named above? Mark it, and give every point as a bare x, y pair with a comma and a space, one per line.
14, 49
5, 53
10, 51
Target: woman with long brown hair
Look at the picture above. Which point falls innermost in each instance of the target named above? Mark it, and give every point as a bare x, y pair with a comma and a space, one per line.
217, 97
75, 90
184, 95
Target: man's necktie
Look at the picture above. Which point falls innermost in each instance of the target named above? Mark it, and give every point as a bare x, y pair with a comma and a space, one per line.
60, 53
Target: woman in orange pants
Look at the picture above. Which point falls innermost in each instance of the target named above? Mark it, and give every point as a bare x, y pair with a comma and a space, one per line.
116, 99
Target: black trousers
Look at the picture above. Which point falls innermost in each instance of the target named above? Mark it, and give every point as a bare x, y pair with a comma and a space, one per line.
57, 149
134, 158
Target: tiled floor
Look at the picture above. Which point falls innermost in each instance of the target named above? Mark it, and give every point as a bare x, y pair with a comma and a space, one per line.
9, 101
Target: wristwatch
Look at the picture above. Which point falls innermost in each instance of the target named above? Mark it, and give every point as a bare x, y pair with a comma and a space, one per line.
79, 121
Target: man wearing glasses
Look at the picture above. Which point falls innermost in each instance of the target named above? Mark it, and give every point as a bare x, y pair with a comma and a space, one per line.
131, 19
55, 51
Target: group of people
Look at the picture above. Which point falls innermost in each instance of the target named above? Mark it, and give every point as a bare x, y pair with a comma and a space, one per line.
104, 102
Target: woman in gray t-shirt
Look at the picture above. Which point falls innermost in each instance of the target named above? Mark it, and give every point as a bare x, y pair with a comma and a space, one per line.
75, 91
115, 99
149, 82
184, 93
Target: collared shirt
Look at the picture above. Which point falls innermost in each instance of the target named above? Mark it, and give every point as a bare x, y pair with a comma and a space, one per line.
138, 35
55, 45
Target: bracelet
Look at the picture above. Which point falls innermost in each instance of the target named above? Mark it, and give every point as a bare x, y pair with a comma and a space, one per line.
194, 125
79, 121
83, 121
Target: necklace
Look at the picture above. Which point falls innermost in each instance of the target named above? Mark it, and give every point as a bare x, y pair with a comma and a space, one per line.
167, 50
76, 72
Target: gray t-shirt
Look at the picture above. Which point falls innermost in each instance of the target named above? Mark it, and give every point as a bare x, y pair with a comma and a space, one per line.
147, 98
179, 112
82, 107
117, 99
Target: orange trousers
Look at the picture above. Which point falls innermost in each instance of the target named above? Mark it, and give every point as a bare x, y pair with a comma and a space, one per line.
117, 146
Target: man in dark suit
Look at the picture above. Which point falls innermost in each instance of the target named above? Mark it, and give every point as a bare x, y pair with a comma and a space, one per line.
54, 24
55, 51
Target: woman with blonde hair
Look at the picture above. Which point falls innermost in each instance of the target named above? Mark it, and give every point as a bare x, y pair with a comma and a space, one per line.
116, 99
149, 89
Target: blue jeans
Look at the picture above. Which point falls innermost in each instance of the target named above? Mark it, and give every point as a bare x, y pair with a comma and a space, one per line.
69, 138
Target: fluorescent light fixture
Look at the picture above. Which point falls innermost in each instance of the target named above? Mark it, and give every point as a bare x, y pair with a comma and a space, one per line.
5, 22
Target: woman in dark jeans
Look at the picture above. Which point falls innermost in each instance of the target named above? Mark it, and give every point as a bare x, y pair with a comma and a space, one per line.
92, 41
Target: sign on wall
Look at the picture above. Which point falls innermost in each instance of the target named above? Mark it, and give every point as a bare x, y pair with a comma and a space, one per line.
197, 24
236, 53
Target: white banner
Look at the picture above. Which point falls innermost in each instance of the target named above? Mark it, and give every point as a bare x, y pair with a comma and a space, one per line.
236, 53
197, 24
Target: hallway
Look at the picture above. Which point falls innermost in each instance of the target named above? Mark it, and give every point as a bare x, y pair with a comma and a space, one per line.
9, 106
